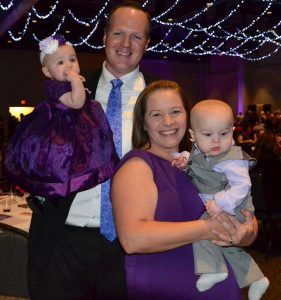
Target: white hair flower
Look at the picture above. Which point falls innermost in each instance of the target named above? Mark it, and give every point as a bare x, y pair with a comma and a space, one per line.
50, 45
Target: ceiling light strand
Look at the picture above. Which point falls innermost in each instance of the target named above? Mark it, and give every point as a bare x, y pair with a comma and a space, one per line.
23, 32
8, 6
193, 36
42, 17
55, 32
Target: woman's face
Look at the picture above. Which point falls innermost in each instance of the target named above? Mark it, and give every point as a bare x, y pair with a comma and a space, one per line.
165, 120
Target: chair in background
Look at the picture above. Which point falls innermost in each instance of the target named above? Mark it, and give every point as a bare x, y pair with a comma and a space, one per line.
265, 211
13, 260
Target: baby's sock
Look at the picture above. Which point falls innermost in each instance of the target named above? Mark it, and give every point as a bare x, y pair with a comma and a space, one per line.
258, 288
206, 281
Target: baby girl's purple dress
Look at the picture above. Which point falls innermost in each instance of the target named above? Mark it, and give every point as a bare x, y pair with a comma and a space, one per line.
169, 275
58, 150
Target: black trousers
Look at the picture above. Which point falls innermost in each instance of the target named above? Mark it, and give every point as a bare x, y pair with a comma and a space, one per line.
79, 263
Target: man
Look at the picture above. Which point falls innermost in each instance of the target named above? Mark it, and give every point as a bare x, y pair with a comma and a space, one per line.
68, 256
126, 38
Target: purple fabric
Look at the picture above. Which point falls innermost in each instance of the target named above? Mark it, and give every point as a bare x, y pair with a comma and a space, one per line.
60, 38
170, 275
58, 150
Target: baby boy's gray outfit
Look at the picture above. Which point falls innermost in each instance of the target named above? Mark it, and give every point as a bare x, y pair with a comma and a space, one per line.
208, 257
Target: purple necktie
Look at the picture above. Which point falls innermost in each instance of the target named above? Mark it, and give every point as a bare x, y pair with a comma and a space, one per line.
114, 116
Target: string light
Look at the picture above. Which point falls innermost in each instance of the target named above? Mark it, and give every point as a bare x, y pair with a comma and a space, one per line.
86, 23
166, 11
56, 30
196, 38
7, 7
96, 17
53, 8
145, 3
22, 32
87, 37
240, 36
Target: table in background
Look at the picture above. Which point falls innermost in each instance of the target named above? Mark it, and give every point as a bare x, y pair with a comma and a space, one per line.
14, 227
20, 215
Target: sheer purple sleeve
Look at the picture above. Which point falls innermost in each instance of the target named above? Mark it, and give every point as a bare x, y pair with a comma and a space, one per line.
55, 89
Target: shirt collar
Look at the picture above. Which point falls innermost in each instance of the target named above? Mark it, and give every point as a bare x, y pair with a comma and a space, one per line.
196, 149
128, 79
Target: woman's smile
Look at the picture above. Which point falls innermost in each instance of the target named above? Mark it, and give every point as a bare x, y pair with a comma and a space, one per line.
168, 132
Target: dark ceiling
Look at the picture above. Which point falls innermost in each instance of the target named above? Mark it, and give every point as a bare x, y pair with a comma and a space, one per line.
195, 37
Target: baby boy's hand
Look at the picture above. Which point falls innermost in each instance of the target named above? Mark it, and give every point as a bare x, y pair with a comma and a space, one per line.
180, 163
180, 160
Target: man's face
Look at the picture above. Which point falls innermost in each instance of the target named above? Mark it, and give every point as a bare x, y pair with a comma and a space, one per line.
125, 40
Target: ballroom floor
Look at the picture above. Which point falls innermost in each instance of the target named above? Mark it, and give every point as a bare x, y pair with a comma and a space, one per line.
271, 266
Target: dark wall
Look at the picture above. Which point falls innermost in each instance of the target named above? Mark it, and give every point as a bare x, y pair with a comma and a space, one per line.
242, 83
223, 78
185, 74
22, 77
264, 82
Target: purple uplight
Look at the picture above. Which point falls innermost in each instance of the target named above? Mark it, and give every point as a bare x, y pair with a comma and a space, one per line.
240, 88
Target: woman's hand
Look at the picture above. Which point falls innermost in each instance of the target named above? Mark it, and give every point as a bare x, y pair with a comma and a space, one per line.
238, 234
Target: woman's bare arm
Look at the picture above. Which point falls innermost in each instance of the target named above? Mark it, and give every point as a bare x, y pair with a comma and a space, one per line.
134, 198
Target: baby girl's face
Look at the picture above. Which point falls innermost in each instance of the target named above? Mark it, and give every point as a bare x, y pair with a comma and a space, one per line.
57, 65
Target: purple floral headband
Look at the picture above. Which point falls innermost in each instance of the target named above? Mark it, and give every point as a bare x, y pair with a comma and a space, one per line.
50, 45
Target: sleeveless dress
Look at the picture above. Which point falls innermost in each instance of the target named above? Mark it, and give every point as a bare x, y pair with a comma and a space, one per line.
170, 275
58, 150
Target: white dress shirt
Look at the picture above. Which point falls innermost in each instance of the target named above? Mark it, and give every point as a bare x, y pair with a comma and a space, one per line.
85, 209
237, 174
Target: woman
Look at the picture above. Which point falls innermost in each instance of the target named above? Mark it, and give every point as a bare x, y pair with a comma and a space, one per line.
157, 208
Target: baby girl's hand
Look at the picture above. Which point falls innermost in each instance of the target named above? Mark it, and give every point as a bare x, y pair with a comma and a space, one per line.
82, 78
213, 209
72, 75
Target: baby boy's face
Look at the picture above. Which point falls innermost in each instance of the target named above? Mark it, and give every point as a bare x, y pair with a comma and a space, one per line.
213, 132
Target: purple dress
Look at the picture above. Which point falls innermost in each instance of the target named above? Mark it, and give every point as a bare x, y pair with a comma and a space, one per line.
58, 150
170, 275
